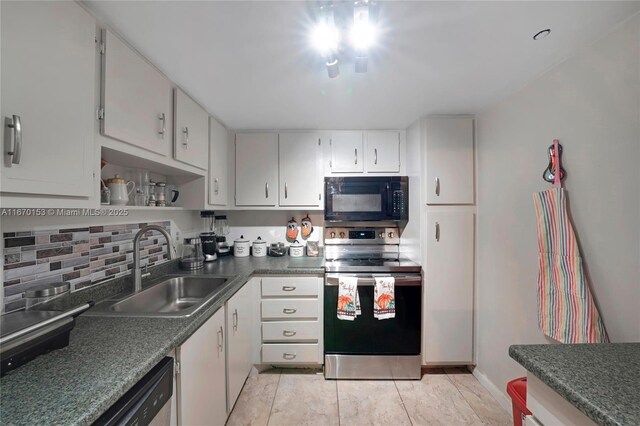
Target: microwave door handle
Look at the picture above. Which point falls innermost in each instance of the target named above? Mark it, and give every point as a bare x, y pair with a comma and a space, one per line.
401, 281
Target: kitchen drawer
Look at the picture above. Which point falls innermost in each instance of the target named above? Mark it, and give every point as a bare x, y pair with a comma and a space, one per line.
290, 331
289, 286
275, 309
294, 353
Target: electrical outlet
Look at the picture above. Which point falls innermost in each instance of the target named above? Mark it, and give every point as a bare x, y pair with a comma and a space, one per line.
177, 236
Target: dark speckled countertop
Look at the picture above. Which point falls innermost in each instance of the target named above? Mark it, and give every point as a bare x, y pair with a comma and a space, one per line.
106, 356
601, 380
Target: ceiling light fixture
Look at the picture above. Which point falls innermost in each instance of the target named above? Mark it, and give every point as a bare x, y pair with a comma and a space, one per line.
357, 20
542, 34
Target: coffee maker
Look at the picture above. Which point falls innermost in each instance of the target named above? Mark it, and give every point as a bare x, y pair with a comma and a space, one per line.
208, 237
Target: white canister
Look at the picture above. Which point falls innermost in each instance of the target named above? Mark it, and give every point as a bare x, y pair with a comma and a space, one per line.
296, 249
241, 247
259, 248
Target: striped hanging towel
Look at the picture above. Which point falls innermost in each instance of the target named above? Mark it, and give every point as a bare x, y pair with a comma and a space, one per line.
566, 310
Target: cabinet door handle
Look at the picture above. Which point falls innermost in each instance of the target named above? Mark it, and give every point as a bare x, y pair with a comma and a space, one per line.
220, 339
375, 154
319, 196
266, 190
437, 186
288, 356
216, 186
286, 190
16, 125
288, 288
289, 311
235, 319
162, 118
288, 333
185, 143
356, 155
437, 232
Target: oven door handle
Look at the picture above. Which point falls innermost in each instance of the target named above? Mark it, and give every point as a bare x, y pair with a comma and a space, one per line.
369, 281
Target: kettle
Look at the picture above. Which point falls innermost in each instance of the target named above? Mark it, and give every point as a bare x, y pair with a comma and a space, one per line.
120, 191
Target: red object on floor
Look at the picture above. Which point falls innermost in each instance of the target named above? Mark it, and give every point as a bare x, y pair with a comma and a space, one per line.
517, 390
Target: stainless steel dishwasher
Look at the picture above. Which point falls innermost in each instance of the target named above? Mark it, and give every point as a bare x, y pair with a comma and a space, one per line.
148, 402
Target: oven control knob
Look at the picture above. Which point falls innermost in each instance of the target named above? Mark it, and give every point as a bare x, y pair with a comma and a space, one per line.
390, 234
381, 235
342, 235
333, 235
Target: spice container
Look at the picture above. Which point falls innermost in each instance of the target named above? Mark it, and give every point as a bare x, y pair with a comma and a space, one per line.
259, 248
296, 249
241, 247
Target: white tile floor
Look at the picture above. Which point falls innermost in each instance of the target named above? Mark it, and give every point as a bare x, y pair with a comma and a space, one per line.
303, 397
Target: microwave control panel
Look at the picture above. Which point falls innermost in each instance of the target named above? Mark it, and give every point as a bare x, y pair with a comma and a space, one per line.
398, 202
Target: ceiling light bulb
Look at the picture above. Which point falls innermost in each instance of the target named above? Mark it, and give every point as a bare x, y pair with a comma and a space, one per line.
325, 37
363, 35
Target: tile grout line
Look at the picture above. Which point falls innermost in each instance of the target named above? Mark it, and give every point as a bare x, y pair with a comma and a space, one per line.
273, 401
455, 385
402, 402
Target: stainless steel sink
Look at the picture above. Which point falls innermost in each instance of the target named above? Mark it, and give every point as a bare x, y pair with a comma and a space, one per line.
178, 296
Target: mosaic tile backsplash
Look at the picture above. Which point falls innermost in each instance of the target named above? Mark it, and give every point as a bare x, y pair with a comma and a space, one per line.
81, 256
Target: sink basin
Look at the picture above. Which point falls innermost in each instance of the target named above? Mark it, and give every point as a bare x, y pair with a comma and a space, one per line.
172, 297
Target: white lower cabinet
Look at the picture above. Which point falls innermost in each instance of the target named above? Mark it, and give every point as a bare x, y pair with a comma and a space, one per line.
448, 287
201, 375
291, 312
239, 326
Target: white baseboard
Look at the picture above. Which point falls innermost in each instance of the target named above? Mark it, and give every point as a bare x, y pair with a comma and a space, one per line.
500, 396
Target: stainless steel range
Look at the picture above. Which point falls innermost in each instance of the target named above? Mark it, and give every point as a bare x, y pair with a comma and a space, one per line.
368, 348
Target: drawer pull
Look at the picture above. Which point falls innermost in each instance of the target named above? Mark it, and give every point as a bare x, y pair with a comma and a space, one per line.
288, 288
288, 356
289, 310
288, 333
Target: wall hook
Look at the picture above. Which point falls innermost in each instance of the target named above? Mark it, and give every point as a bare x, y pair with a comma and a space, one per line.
550, 173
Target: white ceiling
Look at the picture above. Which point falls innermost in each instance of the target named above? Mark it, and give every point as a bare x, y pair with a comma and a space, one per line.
250, 64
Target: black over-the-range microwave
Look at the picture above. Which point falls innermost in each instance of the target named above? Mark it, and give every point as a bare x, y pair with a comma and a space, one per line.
367, 198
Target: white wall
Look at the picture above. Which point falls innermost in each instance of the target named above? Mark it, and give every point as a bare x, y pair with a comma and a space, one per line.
591, 102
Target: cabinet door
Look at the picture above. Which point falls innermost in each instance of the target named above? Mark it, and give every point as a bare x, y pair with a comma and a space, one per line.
48, 81
346, 152
448, 295
239, 328
202, 374
218, 156
300, 160
136, 97
383, 152
191, 141
450, 168
256, 169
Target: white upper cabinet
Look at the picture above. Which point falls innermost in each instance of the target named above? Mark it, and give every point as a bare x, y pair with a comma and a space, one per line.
191, 142
347, 152
218, 160
48, 98
448, 287
136, 97
449, 158
256, 169
383, 151
300, 161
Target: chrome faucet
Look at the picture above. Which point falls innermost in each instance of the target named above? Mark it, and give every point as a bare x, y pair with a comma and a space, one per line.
137, 271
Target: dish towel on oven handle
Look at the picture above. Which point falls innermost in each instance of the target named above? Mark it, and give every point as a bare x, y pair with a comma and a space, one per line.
384, 298
348, 299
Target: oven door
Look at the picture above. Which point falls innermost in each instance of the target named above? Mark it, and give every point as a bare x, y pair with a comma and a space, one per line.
366, 335
361, 199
